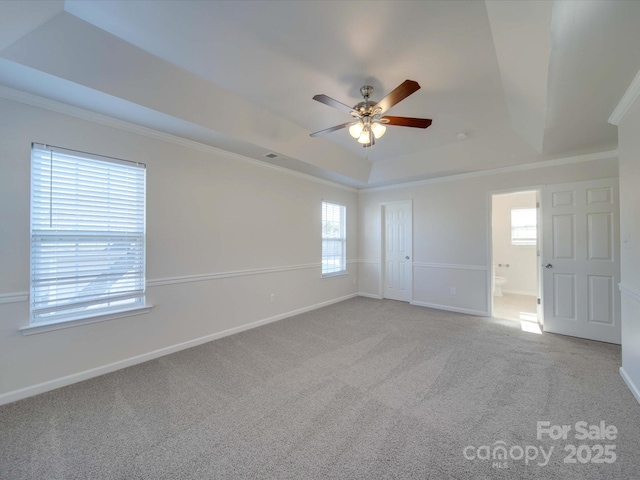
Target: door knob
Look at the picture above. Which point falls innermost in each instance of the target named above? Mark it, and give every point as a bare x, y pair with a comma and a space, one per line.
548, 265
407, 257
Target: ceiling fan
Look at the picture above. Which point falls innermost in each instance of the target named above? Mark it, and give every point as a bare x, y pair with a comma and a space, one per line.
369, 123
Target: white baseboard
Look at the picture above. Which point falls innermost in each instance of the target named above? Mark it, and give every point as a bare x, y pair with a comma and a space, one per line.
634, 389
369, 295
448, 308
145, 357
520, 292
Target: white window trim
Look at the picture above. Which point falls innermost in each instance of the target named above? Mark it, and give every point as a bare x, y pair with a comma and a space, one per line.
93, 315
343, 239
77, 321
341, 273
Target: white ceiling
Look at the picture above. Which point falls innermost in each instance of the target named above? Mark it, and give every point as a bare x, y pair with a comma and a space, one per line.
527, 80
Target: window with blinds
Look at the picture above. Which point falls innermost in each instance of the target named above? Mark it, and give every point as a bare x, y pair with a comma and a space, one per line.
334, 239
524, 226
87, 235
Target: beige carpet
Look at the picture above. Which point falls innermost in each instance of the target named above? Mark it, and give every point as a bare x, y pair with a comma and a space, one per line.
364, 389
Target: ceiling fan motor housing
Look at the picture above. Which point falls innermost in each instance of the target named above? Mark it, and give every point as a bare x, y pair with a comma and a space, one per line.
365, 108
366, 91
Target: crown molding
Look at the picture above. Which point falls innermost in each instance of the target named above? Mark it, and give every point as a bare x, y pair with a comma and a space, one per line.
589, 157
77, 112
626, 101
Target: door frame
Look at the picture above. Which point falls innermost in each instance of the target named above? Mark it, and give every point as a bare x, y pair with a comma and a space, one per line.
540, 253
381, 280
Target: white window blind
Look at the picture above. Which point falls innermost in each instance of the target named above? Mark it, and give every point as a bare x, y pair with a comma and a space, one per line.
87, 234
334, 238
524, 226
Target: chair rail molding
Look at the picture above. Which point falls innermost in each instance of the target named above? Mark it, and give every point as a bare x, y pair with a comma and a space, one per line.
14, 297
625, 290
455, 266
235, 273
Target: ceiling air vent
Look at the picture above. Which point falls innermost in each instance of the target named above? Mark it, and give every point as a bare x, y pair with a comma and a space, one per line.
271, 155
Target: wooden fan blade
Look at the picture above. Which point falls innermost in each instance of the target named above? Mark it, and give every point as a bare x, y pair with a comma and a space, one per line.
332, 129
401, 92
407, 122
333, 103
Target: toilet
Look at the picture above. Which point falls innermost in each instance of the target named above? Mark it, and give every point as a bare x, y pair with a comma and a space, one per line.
498, 282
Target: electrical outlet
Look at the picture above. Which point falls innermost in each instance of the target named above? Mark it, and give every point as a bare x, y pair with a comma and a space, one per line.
273, 297
452, 290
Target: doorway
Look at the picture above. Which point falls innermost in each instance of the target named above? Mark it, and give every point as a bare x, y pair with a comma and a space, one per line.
397, 251
515, 282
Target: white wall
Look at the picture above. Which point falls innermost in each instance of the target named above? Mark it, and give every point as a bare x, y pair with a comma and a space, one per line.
207, 214
451, 231
521, 274
629, 150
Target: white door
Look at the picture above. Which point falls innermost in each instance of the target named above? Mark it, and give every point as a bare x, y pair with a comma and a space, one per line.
581, 260
397, 251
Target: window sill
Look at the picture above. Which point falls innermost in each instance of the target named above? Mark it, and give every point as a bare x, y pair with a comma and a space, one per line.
335, 274
76, 322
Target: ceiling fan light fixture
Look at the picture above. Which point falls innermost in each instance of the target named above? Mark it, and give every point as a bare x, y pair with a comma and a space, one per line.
365, 137
378, 129
367, 123
356, 129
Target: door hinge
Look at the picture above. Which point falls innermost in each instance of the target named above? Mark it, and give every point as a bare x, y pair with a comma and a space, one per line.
537, 204
538, 301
